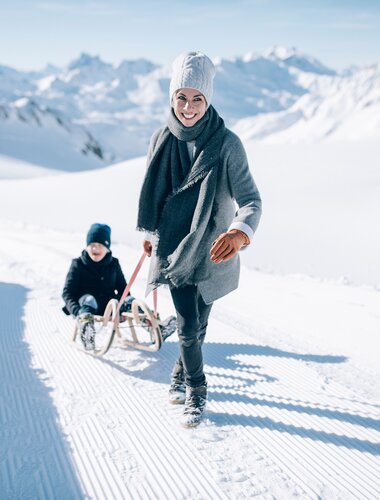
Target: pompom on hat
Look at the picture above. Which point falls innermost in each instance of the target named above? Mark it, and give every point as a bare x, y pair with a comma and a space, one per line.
99, 233
193, 70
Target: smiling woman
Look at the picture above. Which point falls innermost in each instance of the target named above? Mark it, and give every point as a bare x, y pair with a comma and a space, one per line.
189, 106
197, 168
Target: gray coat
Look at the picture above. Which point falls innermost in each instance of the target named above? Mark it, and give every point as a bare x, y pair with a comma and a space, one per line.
234, 184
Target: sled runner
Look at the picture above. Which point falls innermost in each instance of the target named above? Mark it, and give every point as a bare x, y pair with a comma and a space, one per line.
139, 328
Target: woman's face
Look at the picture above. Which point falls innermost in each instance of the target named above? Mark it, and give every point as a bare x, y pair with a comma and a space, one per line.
189, 106
97, 251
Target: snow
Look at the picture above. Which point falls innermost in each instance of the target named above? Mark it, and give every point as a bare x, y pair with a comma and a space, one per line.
39, 135
10, 168
320, 205
334, 109
291, 357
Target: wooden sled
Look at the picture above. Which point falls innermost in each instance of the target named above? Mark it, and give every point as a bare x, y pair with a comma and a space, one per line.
140, 330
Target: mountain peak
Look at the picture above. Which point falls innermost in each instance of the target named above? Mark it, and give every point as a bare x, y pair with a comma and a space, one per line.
280, 52
137, 66
86, 60
292, 57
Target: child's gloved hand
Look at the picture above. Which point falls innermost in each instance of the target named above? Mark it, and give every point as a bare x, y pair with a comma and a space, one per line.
227, 245
147, 245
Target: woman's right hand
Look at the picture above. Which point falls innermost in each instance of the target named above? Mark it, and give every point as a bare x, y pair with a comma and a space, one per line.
147, 248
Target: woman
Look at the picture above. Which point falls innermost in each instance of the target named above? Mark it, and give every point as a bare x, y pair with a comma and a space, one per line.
197, 168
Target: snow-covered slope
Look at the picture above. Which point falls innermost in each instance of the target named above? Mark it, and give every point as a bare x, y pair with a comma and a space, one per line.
41, 135
320, 207
10, 168
335, 108
293, 383
281, 95
291, 360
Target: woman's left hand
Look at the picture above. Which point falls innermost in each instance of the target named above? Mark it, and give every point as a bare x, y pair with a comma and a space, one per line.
227, 245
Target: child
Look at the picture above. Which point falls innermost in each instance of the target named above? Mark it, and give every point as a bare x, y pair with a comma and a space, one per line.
93, 279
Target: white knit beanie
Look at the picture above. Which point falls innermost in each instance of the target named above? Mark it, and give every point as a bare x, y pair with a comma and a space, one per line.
193, 70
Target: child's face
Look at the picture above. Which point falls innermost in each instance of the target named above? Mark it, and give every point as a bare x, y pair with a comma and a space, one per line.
96, 251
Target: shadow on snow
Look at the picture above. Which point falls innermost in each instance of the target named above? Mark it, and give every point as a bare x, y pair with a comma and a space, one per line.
243, 364
35, 459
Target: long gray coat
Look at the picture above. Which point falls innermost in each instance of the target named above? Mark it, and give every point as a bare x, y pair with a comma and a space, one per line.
234, 184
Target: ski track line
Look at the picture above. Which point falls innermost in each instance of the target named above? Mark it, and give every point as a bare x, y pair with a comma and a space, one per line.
126, 402
104, 477
155, 445
250, 445
325, 470
369, 410
100, 480
352, 464
247, 449
31, 443
317, 411
189, 471
364, 472
356, 476
242, 326
267, 440
270, 441
158, 397
28, 271
84, 439
283, 418
208, 344
138, 413
272, 438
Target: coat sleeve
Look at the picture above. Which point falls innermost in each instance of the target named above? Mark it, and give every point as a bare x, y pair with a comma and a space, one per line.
70, 289
121, 282
243, 189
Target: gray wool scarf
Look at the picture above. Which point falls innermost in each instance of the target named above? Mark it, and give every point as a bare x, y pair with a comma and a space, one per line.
177, 197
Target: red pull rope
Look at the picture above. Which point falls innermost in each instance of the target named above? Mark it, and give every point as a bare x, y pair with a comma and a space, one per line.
130, 283
155, 302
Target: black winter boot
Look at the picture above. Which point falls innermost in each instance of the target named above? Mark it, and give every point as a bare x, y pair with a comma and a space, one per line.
87, 330
177, 391
195, 405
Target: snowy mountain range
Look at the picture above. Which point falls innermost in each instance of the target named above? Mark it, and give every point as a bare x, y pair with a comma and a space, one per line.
91, 113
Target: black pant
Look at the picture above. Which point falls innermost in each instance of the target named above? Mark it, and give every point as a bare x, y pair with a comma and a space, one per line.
192, 320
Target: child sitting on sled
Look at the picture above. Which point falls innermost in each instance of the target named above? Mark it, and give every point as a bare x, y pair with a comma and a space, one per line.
93, 279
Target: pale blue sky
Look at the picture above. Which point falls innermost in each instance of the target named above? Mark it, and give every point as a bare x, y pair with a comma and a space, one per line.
338, 32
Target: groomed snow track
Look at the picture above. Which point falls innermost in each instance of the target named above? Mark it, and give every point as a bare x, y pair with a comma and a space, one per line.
72, 426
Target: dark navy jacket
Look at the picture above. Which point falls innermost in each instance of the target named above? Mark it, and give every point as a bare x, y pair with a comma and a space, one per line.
104, 280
